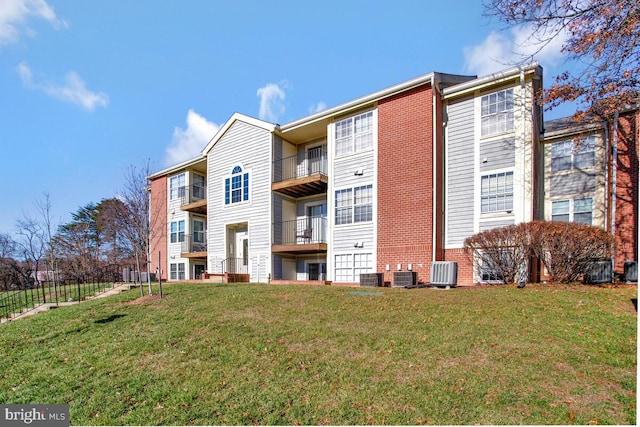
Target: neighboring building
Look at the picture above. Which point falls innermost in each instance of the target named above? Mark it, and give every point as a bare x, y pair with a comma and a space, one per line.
592, 178
388, 182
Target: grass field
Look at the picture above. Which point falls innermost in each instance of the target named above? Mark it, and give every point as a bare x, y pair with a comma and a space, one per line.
259, 354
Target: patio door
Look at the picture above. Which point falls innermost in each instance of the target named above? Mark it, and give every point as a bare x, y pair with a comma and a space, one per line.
314, 157
242, 251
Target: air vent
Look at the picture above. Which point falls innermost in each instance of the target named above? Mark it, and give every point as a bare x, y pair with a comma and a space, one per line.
444, 273
631, 272
600, 272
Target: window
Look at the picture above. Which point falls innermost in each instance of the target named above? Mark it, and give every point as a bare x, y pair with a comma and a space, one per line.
576, 210
343, 206
198, 231
348, 267
177, 231
236, 187
176, 271
176, 187
497, 192
198, 186
497, 113
354, 134
488, 269
567, 155
354, 205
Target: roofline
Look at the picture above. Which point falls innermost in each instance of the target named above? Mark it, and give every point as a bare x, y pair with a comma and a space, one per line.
177, 167
488, 79
367, 99
270, 127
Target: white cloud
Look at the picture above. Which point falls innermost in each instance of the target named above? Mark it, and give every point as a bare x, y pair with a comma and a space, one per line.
317, 107
188, 143
73, 90
271, 101
14, 15
499, 50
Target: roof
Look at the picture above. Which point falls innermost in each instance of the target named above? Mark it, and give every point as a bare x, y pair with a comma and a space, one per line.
491, 79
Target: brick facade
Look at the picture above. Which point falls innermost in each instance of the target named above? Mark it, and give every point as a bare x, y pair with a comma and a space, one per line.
626, 207
159, 224
405, 175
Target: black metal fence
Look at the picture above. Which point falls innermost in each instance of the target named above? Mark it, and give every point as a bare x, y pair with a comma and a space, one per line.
16, 302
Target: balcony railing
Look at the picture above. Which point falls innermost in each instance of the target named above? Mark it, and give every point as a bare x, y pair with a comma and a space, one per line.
302, 231
193, 198
302, 165
195, 243
234, 266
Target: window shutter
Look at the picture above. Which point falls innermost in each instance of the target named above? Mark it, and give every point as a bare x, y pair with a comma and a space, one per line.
227, 184
245, 187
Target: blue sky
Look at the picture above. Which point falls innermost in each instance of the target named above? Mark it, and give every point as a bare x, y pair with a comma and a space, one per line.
89, 88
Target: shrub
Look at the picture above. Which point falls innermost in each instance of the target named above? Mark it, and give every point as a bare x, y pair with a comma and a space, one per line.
502, 252
567, 250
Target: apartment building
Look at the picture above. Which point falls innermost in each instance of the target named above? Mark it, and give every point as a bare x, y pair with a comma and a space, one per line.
388, 182
591, 177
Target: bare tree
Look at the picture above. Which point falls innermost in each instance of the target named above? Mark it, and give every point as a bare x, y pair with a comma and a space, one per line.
134, 218
31, 243
601, 38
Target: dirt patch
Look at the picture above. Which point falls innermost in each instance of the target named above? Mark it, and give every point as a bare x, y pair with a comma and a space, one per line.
145, 299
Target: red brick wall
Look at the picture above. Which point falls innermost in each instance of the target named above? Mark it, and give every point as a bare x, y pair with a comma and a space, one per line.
159, 224
405, 172
465, 265
626, 222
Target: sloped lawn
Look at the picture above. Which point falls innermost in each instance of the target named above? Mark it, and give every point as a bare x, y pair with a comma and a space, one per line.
261, 354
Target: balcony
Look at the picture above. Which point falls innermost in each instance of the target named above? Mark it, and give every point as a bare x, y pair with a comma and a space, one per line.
304, 174
300, 236
193, 199
194, 246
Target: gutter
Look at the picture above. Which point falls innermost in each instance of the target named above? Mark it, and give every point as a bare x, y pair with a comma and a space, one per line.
489, 79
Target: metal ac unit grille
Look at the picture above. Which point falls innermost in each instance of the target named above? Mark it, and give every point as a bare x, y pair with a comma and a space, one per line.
444, 273
631, 271
601, 272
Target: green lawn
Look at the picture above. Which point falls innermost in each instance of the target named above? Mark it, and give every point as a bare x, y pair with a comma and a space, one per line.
260, 354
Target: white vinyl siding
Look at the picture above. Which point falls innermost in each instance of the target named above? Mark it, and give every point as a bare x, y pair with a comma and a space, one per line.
242, 144
459, 172
497, 154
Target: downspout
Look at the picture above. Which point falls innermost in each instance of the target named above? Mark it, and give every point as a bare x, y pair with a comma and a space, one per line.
434, 194
614, 169
523, 136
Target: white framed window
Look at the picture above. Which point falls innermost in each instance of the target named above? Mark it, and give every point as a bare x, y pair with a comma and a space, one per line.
236, 186
568, 155
198, 186
176, 271
496, 192
354, 134
348, 267
176, 187
176, 231
497, 113
573, 210
354, 205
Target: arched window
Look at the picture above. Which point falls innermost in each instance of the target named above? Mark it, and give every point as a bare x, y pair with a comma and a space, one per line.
236, 186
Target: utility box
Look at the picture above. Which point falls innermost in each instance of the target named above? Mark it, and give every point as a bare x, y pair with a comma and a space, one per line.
371, 279
405, 279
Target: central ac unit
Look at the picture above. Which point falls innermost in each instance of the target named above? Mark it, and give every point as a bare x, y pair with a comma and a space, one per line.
631, 272
444, 273
600, 272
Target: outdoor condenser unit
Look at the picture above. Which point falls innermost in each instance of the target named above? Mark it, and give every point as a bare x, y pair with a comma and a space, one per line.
631, 272
444, 273
601, 272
